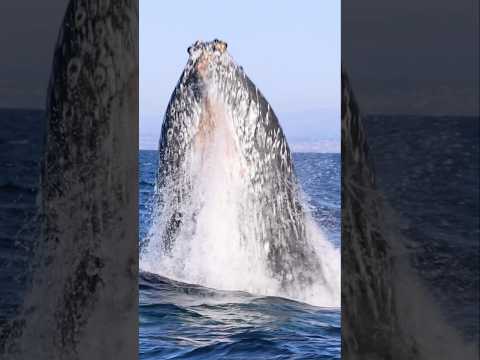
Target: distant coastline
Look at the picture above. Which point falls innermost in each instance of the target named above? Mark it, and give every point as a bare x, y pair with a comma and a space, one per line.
150, 142
33, 118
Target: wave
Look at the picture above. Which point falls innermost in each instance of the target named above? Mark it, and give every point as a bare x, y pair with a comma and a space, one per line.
180, 320
9, 186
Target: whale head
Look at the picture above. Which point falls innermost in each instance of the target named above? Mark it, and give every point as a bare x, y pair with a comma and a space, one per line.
206, 58
214, 90
209, 66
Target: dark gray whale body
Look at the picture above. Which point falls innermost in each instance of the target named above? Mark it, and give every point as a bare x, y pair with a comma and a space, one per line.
214, 92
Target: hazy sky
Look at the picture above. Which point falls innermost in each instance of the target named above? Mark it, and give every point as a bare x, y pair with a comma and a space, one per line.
29, 30
291, 51
404, 57
413, 57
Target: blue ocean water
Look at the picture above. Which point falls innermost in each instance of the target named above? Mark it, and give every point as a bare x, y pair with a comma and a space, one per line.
21, 139
427, 169
187, 321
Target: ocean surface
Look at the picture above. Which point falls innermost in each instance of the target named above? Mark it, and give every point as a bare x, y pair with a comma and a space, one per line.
177, 320
188, 321
21, 139
427, 169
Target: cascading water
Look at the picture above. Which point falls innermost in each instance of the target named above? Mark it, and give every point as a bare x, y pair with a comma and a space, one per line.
228, 212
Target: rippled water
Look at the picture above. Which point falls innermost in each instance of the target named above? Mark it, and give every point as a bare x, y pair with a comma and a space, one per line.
179, 321
186, 321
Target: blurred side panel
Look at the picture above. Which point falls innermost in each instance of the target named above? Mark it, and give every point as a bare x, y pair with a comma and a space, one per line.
80, 297
410, 180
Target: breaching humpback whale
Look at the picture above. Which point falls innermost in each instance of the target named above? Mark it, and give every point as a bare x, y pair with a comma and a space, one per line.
218, 121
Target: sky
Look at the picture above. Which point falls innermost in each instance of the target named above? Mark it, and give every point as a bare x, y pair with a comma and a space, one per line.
290, 50
424, 60
29, 33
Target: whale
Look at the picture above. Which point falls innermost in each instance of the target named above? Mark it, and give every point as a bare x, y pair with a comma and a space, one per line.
216, 109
